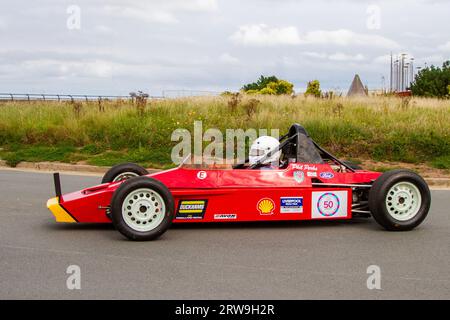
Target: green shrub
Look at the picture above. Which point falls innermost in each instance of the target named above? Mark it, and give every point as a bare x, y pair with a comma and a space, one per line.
269, 85
267, 91
281, 87
432, 82
260, 84
313, 89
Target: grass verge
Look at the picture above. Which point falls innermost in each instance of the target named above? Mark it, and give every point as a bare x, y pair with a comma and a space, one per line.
379, 128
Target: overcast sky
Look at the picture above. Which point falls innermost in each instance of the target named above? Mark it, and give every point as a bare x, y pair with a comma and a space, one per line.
118, 46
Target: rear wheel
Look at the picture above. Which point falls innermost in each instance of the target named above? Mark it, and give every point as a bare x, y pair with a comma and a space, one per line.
142, 209
399, 200
123, 171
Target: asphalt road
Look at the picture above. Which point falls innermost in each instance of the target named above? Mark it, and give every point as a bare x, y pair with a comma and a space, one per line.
305, 260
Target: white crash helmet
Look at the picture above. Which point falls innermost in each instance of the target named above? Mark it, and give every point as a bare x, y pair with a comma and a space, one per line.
261, 147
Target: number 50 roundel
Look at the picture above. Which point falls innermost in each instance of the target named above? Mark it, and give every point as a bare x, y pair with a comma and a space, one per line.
329, 204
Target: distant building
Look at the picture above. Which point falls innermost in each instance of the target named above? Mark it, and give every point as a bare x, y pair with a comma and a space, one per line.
357, 88
402, 74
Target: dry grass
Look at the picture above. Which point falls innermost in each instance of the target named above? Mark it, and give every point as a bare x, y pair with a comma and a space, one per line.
383, 128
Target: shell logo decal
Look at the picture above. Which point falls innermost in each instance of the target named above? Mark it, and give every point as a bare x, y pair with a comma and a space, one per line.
265, 206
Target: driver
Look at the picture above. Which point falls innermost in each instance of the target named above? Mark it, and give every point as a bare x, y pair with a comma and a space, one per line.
259, 150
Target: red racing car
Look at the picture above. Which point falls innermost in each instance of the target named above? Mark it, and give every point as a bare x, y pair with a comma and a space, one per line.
309, 184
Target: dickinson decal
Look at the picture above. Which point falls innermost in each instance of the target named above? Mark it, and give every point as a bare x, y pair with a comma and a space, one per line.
265, 206
225, 216
191, 209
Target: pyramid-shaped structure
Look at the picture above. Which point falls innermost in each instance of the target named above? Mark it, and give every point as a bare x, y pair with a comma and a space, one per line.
357, 88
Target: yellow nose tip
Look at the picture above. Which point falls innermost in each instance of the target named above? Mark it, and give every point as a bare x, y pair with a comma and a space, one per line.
60, 214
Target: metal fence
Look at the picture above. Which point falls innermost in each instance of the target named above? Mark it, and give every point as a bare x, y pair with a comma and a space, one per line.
166, 94
61, 97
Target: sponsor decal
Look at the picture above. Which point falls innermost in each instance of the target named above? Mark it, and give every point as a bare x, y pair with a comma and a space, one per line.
299, 176
225, 216
329, 204
327, 175
304, 167
265, 206
312, 174
291, 205
191, 209
202, 175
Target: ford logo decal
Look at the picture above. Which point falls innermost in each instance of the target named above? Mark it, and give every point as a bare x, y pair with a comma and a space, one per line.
327, 175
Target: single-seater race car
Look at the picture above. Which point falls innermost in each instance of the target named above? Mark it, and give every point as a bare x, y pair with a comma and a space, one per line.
309, 184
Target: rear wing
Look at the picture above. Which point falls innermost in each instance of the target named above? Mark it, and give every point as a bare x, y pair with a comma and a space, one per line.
57, 182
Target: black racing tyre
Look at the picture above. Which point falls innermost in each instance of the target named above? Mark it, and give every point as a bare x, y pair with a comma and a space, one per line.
399, 200
142, 209
352, 165
123, 171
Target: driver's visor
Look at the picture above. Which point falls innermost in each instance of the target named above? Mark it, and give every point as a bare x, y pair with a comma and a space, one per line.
257, 152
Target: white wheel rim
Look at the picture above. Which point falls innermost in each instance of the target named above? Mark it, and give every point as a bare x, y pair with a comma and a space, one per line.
143, 209
125, 176
403, 201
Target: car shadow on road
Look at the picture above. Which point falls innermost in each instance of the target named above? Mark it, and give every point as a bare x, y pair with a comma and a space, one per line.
78, 226
107, 228
360, 222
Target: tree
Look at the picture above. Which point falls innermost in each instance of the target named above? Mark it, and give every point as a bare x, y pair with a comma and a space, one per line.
432, 82
269, 85
260, 84
267, 90
281, 87
313, 89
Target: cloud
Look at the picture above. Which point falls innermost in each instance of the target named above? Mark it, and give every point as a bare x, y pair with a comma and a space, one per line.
72, 53
316, 55
338, 56
384, 59
2, 24
346, 57
141, 14
445, 47
344, 37
61, 69
435, 59
228, 59
198, 5
158, 11
101, 29
174, 44
169, 5
263, 35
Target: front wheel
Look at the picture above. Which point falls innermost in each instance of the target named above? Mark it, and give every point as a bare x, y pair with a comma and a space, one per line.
399, 200
142, 209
